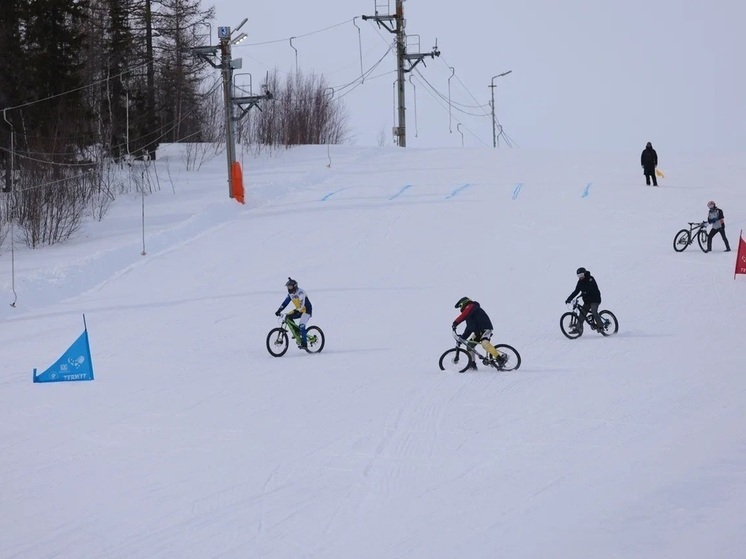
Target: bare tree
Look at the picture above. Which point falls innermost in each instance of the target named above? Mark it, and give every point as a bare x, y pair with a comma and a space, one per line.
302, 112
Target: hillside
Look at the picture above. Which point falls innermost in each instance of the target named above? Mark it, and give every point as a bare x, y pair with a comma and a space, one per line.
194, 442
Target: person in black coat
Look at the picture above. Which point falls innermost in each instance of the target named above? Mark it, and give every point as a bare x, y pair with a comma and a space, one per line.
649, 161
588, 289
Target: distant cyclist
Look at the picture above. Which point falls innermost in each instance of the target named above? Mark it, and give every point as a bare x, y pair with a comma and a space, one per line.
303, 308
588, 289
479, 324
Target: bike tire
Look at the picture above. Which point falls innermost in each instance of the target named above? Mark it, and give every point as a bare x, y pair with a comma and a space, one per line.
610, 323
455, 359
681, 240
568, 321
277, 342
702, 239
315, 339
514, 358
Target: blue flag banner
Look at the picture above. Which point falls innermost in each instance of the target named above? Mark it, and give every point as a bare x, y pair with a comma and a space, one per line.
75, 364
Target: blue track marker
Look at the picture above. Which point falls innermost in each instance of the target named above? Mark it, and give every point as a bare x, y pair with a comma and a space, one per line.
459, 189
587, 188
517, 190
403, 188
325, 198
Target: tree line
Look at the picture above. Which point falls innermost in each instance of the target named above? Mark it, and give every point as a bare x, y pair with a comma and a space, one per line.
86, 84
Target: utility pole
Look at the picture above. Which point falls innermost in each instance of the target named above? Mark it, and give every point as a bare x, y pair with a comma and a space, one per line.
227, 65
9, 156
396, 24
492, 86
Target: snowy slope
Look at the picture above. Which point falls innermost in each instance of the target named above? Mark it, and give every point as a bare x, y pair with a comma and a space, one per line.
194, 442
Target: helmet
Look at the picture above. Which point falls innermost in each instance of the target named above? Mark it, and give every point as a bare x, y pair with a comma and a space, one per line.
710, 204
462, 303
581, 270
648, 145
292, 285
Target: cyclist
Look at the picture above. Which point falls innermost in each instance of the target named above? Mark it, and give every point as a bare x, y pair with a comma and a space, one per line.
588, 289
478, 324
303, 308
716, 219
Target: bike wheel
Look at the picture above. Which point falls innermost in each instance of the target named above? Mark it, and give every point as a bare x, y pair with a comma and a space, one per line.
610, 323
568, 323
455, 359
681, 240
702, 239
277, 342
514, 358
315, 339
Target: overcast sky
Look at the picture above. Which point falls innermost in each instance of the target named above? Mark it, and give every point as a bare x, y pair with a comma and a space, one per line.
666, 71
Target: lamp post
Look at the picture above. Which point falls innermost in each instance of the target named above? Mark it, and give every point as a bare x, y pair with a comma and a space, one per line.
492, 86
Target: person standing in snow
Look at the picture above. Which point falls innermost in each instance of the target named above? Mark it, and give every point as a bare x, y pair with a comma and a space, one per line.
303, 308
717, 220
649, 161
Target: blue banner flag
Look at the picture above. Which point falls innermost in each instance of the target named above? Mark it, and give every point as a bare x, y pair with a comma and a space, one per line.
75, 364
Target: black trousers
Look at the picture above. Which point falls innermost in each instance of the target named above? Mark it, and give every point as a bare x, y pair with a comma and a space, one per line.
593, 308
650, 173
714, 232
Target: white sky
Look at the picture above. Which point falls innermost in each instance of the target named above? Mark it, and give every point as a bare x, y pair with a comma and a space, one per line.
584, 74
193, 442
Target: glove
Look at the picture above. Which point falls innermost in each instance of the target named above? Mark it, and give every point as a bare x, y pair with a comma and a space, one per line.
453, 327
567, 301
278, 312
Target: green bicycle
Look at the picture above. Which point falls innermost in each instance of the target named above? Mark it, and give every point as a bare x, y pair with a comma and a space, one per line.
278, 339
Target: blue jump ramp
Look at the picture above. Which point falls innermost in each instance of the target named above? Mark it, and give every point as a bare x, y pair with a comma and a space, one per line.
75, 364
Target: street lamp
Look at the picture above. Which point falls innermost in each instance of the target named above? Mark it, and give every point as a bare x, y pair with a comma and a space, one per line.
492, 86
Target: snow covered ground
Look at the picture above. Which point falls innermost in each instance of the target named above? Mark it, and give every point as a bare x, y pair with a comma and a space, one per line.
194, 442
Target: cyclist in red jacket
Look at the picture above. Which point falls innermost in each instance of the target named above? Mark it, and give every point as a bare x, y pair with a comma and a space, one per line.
479, 325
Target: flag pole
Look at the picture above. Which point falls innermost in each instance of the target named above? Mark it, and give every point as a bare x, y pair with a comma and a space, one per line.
738, 253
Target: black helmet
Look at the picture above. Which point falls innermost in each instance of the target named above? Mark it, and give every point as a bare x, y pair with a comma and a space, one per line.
581, 270
648, 145
292, 285
462, 303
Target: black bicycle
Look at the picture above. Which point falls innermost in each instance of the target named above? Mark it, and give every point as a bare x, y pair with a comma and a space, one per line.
278, 340
460, 359
697, 230
570, 320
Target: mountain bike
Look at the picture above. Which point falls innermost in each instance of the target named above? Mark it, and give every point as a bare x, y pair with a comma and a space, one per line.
460, 359
278, 339
569, 322
697, 230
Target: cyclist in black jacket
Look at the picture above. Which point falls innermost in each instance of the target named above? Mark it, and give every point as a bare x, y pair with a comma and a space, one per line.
588, 289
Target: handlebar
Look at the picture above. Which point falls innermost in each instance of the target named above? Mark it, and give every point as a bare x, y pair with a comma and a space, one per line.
458, 338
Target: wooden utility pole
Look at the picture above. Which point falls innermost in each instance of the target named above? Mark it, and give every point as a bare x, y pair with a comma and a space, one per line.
395, 24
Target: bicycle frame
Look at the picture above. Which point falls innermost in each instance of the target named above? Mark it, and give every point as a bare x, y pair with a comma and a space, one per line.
472, 346
290, 325
695, 227
588, 316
